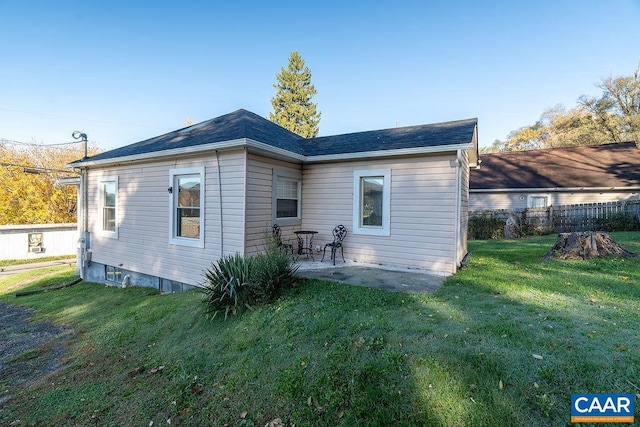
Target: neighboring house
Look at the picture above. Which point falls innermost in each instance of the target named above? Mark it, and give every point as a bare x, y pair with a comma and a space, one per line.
556, 176
162, 210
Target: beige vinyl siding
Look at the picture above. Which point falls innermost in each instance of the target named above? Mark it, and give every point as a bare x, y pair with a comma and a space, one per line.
464, 205
518, 200
423, 203
143, 217
259, 201
591, 197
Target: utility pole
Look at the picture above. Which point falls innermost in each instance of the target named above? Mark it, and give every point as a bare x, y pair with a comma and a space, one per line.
83, 137
84, 187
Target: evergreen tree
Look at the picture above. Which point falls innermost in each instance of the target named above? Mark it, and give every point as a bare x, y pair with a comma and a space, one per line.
292, 106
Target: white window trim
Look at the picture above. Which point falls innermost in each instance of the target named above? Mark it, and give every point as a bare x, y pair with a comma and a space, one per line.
116, 270
385, 229
102, 232
530, 196
185, 241
274, 198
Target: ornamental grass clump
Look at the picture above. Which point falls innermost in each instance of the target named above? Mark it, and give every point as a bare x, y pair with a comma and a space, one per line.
227, 284
237, 282
273, 272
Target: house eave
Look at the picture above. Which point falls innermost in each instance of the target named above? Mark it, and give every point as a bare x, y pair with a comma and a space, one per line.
267, 149
185, 151
552, 189
70, 181
388, 153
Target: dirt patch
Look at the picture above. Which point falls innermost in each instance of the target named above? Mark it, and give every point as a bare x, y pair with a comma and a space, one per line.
28, 350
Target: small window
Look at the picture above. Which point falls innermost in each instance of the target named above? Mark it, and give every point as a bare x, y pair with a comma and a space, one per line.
187, 207
109, 206
537, 201
287, 188
113, 274
372, 202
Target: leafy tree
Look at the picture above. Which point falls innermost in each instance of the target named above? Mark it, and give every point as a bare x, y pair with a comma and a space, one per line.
557, 127
30, 189
292, 105
612, 117
617, 110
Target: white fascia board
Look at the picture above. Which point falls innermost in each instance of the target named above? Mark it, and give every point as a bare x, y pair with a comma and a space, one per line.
387, 153
278, 152
236, 143
163, 154
552, 190
70, 181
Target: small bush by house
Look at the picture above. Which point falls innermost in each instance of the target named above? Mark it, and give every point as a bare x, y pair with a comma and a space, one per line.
236, 282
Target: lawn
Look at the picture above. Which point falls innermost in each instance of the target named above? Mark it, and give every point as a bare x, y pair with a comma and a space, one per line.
504, 342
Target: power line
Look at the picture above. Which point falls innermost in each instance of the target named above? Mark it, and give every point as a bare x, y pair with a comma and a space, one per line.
80, 118
31, 169
30, 144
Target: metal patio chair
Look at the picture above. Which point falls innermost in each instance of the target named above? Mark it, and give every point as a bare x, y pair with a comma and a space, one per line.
339, 233
277, 235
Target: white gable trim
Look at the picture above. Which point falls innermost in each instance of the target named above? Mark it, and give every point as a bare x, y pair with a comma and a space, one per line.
271, 150
552, 190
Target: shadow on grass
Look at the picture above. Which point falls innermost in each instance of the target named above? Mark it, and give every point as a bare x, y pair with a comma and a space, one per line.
505, 341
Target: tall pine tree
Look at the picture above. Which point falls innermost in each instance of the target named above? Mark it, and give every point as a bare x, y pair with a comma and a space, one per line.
292, 106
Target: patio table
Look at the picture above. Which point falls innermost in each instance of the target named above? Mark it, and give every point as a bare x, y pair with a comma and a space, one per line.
305, 242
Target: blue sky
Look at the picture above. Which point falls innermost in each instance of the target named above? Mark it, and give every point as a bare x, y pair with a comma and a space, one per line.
124, 71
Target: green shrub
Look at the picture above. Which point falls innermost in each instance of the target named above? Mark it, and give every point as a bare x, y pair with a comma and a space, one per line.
227, 284
483, 227
273, 271
237, 282
618, 222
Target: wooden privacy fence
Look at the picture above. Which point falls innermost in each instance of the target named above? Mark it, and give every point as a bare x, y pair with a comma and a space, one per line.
596, 216
611, 216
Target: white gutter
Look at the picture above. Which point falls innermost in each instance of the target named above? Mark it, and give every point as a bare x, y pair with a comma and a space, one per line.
70, 181
163, 153
386, 153
553, 190
280, 152
220, 202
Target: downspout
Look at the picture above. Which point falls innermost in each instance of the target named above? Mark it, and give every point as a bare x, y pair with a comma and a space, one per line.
220, 204
458, 214
85, 253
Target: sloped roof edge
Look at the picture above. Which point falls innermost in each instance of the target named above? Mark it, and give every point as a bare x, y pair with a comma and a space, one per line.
243, 128
615, 165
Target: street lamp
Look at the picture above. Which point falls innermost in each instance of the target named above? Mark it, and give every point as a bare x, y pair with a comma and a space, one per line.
83, 137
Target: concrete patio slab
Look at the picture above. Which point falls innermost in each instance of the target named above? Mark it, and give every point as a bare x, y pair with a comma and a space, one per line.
389, 279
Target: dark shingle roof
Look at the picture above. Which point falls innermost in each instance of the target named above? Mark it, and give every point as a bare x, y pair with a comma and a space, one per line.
432, 135
237, 125
244, 124
609, 165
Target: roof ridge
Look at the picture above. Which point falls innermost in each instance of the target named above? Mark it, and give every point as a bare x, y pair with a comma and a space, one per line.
242, 124
434, 125
548, 149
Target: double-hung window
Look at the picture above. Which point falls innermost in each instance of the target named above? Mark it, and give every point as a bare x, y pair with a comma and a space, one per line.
287, 188
538, 201
372, 202
109, 206
186, 194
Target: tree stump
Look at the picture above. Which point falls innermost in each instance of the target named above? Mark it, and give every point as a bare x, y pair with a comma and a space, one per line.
586, 245
511, 228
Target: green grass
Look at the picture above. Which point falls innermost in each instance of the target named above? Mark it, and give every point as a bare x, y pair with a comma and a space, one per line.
7, 262
504, 342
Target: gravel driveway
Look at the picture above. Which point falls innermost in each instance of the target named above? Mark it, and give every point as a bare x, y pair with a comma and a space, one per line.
28, 350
